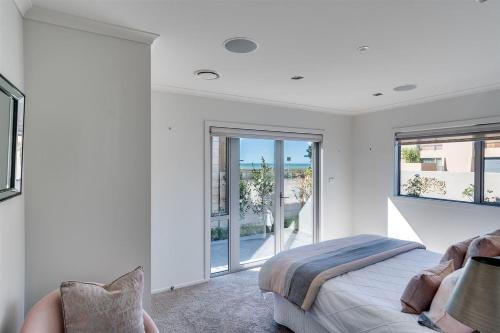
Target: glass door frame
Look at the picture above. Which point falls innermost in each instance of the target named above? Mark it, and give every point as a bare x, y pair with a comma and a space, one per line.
316, 171
234, 179
235, 264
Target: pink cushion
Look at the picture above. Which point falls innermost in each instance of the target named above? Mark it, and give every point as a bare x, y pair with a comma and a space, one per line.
46, 316
421, 289
457, 252
437, 313
485, 246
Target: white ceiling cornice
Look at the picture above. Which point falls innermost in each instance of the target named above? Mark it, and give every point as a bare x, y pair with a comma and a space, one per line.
244, 99
428, 99
44, 15
236, 98
23, 6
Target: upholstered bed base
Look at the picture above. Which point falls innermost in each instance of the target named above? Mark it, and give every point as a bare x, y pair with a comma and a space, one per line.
296, 319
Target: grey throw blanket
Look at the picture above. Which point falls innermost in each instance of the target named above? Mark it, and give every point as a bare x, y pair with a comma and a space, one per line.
298, 274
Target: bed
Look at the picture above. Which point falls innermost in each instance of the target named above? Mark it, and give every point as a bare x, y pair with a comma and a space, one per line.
362, 300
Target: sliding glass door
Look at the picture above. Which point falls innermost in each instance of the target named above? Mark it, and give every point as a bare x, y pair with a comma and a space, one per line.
298, 194
256, 198
264, 198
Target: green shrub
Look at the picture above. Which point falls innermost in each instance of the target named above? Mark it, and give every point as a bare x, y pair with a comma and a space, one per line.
250, 229
411, 155
263, 185
219, 233
245, 196
289, 220
418, 185
468, 192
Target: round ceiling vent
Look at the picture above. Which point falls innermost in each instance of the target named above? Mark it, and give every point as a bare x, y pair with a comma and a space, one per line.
405, 87
207, 74
240, 45
363, 48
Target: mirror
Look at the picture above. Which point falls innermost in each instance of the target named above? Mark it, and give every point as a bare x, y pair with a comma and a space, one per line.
5, 118
11, 139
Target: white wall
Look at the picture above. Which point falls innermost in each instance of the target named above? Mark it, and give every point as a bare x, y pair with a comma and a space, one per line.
87, 181
375, 210
12, 238
178, 175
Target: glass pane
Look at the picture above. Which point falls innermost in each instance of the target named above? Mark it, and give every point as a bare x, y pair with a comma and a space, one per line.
442, 171
257, 206
298, 198
492, 172
220, 197
219, 246
219, 224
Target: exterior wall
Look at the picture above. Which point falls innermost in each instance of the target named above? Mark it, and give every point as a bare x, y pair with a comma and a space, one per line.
458, 156
377, 210
88, 140
492, 152
178, 176
455, 157
12, 226
456, 182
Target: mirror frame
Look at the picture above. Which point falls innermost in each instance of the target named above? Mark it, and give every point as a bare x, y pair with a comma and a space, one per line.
17, 137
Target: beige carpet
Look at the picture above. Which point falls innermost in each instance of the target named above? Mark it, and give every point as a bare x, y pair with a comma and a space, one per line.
229, 303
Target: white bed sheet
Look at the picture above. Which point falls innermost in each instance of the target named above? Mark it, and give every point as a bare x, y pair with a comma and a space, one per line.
368, 300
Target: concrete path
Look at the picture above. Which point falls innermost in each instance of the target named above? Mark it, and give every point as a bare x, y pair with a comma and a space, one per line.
254, 248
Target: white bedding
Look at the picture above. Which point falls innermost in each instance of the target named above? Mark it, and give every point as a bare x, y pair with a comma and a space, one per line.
367, 300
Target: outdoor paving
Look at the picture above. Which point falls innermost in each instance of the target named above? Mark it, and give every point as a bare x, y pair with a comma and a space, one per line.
253, 248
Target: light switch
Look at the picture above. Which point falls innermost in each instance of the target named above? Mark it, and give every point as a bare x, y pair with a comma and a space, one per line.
331, 179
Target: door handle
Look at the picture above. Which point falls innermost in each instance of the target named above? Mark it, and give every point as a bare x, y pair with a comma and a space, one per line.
282, 197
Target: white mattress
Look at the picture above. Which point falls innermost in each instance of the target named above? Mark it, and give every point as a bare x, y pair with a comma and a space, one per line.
368, 300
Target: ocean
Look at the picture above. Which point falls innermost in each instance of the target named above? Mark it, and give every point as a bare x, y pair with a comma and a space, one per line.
492, 165
290, 166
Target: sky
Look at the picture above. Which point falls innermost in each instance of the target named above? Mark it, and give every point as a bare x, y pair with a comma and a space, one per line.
492, 165
251, 151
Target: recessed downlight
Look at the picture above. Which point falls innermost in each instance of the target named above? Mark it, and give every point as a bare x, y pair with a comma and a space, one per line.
207, 74
405, 87
297, 77
240, 45
363, 48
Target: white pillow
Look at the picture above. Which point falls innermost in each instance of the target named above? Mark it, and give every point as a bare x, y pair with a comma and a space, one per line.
437, 313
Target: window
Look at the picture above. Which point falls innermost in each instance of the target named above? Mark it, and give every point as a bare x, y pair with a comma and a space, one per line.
492, 172
457, 164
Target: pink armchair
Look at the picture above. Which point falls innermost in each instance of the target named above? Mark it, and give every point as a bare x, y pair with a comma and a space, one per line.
46, 316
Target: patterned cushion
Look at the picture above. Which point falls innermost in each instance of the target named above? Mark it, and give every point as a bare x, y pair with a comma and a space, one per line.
421, 289
457, 252
115, 307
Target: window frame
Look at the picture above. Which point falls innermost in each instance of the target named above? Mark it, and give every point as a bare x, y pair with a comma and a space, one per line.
227, 203
479, 169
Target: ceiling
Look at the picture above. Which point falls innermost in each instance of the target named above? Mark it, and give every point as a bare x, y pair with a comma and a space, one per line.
446, 47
